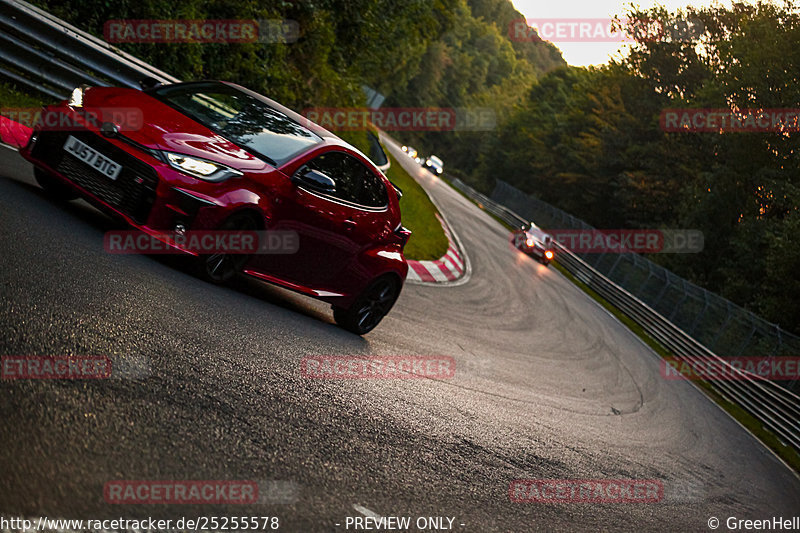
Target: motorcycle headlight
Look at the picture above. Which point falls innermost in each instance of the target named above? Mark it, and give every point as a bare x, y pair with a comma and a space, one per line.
200, 168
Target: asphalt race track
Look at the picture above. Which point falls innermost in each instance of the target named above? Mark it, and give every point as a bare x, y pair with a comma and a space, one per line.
547, 386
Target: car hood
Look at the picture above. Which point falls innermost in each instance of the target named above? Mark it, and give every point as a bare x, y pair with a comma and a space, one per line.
152, 123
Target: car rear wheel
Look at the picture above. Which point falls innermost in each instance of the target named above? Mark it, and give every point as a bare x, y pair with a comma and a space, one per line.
221, 267
53, 186
370, 307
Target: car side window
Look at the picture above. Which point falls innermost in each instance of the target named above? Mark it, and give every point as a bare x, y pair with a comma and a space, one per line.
355, 182
371, 190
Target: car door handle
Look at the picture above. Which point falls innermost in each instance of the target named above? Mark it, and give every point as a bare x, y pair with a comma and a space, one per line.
349, 224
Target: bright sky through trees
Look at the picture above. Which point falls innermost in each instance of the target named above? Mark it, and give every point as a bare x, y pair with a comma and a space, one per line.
592, 53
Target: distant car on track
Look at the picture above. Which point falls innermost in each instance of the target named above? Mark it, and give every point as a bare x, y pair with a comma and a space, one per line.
434, 164
215, 156
535, 242
410, 151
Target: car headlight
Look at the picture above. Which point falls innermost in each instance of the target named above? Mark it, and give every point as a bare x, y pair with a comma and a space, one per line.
529, 242
76, 98
200, 168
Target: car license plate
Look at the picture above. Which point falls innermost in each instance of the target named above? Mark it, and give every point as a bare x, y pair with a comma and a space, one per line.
93, 158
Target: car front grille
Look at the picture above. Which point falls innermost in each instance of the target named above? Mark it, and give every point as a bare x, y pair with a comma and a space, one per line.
134, 190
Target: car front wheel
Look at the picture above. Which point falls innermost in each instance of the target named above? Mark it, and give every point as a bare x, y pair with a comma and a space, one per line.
370, 307
220, 267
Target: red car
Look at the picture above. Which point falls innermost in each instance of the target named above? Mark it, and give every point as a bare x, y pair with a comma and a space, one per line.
534, 242
215, 156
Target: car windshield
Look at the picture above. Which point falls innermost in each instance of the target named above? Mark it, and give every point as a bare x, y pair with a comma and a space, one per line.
436, 160
240, 118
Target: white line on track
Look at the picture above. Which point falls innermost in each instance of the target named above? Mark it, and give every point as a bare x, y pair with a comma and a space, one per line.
366, 512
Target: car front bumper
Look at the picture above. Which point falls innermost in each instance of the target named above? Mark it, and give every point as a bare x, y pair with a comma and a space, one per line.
148, 194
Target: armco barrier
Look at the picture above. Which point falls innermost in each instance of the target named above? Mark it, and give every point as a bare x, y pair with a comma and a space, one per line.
774, 405
44, 53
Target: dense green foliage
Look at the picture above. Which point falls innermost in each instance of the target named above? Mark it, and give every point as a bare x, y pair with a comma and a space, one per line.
415, 52
590, 142
12, 97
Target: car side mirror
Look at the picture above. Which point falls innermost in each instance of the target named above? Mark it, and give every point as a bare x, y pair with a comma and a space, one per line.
149, 83
315, 180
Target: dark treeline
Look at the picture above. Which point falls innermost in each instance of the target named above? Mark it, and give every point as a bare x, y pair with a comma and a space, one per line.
415, 52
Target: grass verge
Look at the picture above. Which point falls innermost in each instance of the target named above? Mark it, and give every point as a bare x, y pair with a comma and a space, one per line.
428, 241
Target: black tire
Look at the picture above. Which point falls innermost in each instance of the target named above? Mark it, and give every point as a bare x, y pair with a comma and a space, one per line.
222, 267
54, 188
370, 307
